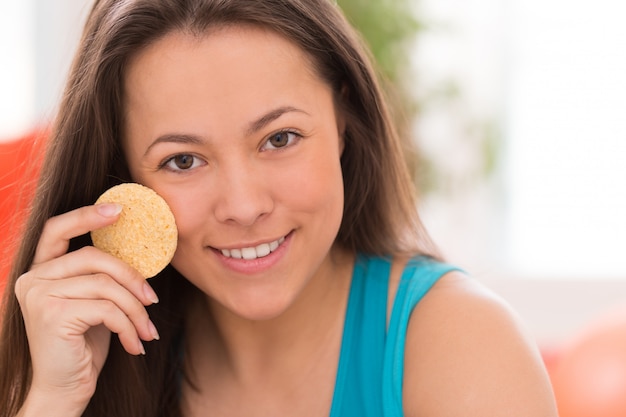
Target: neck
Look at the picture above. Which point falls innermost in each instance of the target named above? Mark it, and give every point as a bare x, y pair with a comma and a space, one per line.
248, 351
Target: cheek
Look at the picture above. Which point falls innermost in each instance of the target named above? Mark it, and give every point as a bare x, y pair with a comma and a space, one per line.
318, 187
191, 214
189, 207
189, 211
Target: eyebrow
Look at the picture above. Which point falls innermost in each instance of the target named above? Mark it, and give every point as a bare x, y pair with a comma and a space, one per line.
253, 127
269, 117
175, 138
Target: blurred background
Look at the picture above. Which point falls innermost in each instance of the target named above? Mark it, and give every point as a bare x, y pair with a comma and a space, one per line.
517, 110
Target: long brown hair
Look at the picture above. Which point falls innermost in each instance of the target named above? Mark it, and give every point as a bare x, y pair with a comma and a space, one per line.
84, 158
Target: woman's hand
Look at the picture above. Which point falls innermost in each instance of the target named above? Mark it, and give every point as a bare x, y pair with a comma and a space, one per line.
71, 302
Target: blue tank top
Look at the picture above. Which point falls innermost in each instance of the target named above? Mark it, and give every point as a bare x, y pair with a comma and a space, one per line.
371, 362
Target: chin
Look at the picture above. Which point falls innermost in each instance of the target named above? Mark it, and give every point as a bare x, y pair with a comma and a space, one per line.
260, 308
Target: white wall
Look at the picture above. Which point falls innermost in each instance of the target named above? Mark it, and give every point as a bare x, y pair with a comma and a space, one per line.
548, 77
37, 41
556, 311
59, 24
566, 135
17, 70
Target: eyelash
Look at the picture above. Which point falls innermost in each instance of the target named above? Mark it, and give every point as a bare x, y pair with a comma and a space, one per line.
165, 164
292, 141
296, 137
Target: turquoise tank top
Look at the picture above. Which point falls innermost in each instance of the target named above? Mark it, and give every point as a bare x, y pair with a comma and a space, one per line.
371, 362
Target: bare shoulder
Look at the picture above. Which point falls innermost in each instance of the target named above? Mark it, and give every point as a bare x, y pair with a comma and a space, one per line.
467, 353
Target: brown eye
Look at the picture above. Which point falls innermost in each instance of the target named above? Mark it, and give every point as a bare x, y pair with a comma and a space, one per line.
183, 161
279, 139
282, 139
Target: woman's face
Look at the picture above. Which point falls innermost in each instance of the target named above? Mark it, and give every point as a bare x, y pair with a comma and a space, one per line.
242, 139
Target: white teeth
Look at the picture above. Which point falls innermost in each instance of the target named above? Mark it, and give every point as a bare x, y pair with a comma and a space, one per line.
260, 251
263, 250
248, 253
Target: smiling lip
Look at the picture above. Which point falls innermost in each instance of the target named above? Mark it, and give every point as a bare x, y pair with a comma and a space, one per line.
256, 260
254, 252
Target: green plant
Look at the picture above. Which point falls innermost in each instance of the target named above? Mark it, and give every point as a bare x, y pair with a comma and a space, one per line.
390, 28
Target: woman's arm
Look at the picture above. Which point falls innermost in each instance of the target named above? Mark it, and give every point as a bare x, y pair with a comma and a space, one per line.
468, 355
49, 405
71, 303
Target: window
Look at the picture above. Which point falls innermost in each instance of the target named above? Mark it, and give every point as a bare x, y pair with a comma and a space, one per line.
17, 72
548, 77
37, 42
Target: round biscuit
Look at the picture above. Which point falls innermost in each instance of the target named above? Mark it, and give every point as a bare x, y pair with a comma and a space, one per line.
145, 234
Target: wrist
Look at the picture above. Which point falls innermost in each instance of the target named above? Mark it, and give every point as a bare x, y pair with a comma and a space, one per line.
40, 403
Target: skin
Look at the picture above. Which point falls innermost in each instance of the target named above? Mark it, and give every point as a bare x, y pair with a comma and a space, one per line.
266, 331
468, 354
201, 98
71, 303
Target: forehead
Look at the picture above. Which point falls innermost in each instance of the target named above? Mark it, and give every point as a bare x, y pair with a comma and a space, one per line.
223, 77
216, 46
226, 56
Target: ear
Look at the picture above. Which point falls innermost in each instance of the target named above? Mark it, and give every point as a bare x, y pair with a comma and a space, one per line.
341, 131
340, 116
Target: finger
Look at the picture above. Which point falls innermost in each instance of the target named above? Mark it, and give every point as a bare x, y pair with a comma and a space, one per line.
90, 260
88, 314
102, 287
67, 325
58, 230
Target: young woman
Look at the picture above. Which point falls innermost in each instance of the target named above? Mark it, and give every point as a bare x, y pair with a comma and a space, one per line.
262, 126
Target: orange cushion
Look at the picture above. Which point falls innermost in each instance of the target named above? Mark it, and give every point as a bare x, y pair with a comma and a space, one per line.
19, 169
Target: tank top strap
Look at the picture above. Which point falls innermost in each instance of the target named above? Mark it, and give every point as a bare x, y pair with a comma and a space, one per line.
359, 373
418, 277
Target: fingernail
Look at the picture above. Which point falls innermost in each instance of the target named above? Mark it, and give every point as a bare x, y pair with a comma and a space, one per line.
150, 294
153, 331
109, 209
142, 350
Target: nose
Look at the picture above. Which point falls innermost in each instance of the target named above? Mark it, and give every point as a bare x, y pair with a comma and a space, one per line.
244, 195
